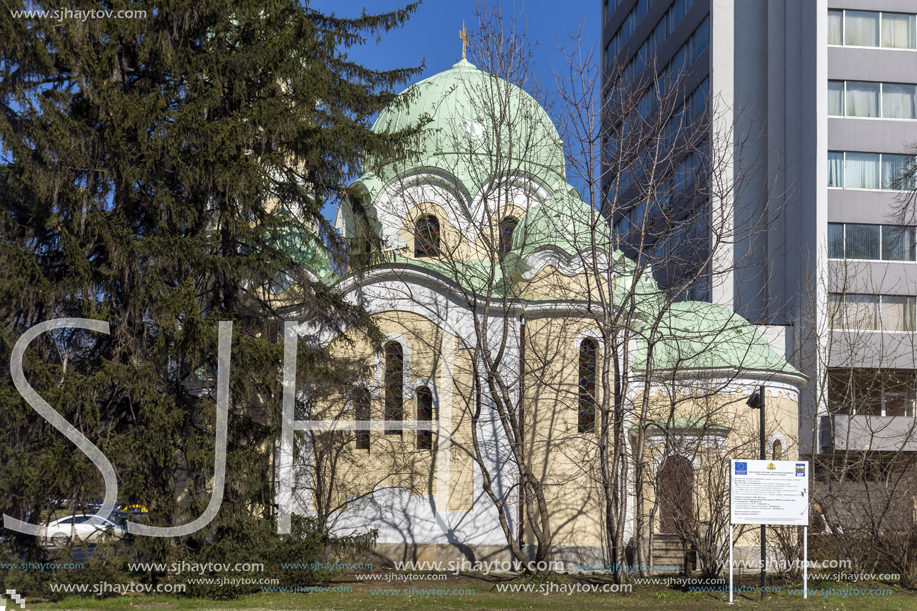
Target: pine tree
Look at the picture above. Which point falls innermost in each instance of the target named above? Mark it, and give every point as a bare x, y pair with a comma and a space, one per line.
152, 168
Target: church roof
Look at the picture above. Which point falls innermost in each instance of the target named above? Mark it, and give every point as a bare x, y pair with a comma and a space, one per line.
565, 222
303, 246
701, 335
473, 122
476, 122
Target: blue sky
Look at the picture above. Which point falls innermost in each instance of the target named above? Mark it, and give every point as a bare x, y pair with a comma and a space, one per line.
432, 34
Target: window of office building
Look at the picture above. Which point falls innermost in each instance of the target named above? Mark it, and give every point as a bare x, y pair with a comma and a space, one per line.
835, 169
862, 99
871, 171
872, 29
864, 312
858, 241
835, 27
867, 392
861, 28
899, 101
861, 171
836, 98
898, 172
664, 28
872, 100
899, 31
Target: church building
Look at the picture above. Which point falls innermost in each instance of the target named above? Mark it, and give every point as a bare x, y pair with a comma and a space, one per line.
514, 332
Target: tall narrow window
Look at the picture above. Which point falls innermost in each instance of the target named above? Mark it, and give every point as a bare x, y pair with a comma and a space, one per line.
394, 385
587, 354
835, 27
507, 227
836, 98
835, 169
424, 414
836, 310
426, 236
778, 450
701, 39
361, 403
835, 240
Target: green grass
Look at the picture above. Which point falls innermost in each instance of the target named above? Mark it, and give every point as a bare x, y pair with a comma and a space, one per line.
361, 598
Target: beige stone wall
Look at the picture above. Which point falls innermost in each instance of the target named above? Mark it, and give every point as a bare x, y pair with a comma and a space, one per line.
562, 457
724, 407
393, 459
552, 283
559, 454
456, 246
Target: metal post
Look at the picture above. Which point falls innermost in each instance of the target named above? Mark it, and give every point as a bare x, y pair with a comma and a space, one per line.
521, 426
805, 561
763, 527
730, 558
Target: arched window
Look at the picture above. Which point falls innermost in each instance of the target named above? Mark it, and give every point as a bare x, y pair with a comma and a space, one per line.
778, 450
507, 227
394, 385
361, 403
424, 414
587, 352
426, 236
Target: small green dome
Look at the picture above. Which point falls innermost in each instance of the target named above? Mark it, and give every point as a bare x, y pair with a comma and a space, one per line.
474, 119
304, 247
565, 222
701, 335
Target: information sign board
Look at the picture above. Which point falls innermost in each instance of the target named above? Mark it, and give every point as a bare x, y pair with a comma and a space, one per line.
769, 492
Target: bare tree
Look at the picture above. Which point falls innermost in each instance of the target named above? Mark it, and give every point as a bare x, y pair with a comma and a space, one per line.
497, 163
487, 212
671, 166
865, 440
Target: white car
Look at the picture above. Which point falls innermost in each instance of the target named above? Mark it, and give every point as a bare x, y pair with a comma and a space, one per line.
84, 528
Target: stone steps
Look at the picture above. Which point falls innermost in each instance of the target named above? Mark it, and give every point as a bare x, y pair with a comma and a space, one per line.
668, 551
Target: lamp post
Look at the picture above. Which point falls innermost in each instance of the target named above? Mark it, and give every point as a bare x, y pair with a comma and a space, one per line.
756, 401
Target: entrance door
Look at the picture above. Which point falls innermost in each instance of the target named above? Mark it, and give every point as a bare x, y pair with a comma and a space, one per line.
675, 489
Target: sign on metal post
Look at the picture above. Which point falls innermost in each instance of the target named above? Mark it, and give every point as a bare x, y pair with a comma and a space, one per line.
770, 492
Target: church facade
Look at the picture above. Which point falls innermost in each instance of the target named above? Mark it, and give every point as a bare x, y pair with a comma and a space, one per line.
496, 288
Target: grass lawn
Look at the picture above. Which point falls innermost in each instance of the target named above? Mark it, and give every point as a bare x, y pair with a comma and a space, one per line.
364, 596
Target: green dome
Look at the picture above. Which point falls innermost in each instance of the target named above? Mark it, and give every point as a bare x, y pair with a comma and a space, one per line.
701, 335
475, 118
304, 247
564, 222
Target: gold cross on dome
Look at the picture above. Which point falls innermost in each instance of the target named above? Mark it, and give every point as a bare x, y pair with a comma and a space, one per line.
464, 36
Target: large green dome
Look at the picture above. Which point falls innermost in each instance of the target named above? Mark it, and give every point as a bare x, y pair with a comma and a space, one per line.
480, 127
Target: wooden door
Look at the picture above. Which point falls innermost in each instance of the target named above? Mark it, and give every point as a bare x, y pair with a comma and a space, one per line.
675, 489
